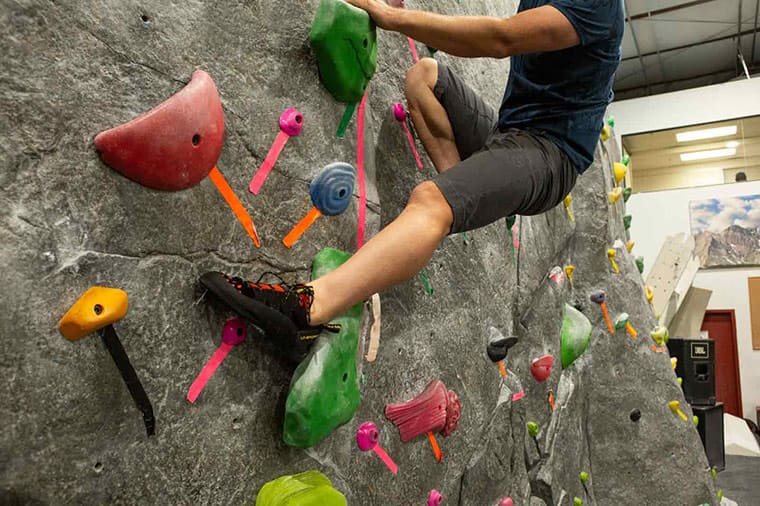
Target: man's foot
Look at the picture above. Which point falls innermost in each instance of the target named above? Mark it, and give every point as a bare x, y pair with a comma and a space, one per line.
281, 311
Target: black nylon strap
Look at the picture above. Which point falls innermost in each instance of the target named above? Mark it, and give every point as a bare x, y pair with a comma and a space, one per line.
119, 355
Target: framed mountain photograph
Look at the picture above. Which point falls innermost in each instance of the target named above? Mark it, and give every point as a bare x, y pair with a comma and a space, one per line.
727, 231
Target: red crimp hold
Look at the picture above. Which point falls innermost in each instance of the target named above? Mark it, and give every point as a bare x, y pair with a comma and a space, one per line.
541, 368
174, 145
436, 409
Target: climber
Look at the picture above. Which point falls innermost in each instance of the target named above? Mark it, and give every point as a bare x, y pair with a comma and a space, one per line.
523, 160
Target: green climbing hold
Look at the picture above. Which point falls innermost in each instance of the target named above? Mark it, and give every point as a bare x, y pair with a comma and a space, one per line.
611, 121
680, 381
431, 50
426, 282
627, 194
627, 221
532, 429
720, 494
621, 321
626, 160
577, 501
584, 477
345, 41
511, 220
311, 488
575, 335
695, 419
640, 264
324, 391
713, 472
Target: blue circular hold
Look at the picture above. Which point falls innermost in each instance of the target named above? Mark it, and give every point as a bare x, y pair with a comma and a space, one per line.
333, 188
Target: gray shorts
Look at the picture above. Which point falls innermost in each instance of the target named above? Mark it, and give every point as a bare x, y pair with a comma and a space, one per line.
501, 173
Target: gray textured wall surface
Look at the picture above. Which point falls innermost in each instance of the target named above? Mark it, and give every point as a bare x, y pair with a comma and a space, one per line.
71, 434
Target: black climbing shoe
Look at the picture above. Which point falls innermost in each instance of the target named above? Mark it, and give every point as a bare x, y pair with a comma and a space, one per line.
280, 311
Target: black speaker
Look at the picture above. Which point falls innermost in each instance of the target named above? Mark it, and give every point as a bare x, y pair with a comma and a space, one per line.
696, 365
710, 430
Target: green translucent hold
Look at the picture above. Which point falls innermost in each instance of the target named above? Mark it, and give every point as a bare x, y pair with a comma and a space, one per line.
532, 429
720, 494
695, 419
611, 121
627, 194
584, 477
575, 335
640, 264
626, 160
345, 41
324, 391
680, 381
577, 501
311, 488
627, 221
713, 472
621, 321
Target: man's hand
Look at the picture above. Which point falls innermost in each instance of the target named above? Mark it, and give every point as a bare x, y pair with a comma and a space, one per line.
379, 11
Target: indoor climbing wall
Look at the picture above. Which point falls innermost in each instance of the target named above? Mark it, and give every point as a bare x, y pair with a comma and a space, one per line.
571, 413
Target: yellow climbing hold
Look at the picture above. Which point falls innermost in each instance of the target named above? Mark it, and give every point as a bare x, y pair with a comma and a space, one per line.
605, 134
675, 407
620, 171
650, 294
615, 195
629, 245
568, 201
611, 255
569, 270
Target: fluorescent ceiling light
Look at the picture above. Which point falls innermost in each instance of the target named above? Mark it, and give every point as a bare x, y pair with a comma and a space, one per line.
709, 133
732, 144
704, 155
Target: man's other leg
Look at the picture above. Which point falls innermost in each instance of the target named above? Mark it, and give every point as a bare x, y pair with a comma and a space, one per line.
428, 115
394, 255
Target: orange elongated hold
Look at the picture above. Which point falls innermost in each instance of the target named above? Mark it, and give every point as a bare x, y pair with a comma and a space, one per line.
302, 226
631, 330
551, 399
234, 203
502, 369
607, 318
435, 447
98, 307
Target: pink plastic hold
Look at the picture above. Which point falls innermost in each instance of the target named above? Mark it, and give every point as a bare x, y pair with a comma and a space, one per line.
435, 498
233, 332
541, 368
291, 122
367, 436
399, 112
507, 501
434, 410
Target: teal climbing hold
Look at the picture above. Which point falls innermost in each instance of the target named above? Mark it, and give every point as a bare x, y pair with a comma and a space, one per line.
311, 488
426, 282
324, 392
575, 335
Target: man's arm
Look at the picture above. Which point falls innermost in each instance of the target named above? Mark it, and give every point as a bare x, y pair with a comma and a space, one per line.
535, 30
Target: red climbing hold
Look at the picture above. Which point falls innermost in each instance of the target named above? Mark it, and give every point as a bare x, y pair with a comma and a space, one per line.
174, 145
541, 367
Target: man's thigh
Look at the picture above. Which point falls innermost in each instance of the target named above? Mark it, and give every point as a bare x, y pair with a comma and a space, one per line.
515, 173
472, 120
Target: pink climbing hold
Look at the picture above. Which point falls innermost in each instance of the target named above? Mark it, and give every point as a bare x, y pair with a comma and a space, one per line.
541, 368
233, 334
368, 438
400, 114
436, 409
517, 396
291, 125
435, 498
174, 145
507, 501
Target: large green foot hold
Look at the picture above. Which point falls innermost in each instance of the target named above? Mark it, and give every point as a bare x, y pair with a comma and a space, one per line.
576, 332
324, 392
345, 41
311, 488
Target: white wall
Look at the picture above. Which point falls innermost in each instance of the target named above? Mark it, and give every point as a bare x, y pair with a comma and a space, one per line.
657, 215
688, 107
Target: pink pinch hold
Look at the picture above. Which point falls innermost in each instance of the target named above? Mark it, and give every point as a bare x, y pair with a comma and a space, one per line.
291, 122
435, 498
541, 368
436, 409
507, 501
399, 112
367, 436
233, 332
519, 395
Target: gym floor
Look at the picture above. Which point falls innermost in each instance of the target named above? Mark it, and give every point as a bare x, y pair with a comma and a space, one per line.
740, 480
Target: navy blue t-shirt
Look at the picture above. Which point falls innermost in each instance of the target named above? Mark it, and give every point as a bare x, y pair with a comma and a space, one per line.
563, 94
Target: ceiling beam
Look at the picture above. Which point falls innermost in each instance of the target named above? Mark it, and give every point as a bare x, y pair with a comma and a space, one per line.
754, 37
693, 44
691, 78
638, 51
672, 8
739, 39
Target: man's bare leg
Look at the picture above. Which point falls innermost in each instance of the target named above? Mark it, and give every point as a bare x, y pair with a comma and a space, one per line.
394, 255
429, 117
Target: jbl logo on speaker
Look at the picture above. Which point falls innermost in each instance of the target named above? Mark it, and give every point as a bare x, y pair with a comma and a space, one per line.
700, 350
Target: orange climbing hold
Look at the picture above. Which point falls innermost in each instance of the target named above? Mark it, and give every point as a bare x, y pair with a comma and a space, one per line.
98, 307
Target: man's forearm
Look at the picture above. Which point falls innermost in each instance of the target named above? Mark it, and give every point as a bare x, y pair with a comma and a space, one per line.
468, 36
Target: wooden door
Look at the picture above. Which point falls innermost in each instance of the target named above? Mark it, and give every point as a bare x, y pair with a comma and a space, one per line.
721, 326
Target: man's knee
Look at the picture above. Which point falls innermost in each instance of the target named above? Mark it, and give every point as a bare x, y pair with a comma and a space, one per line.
423, 74
427, 198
